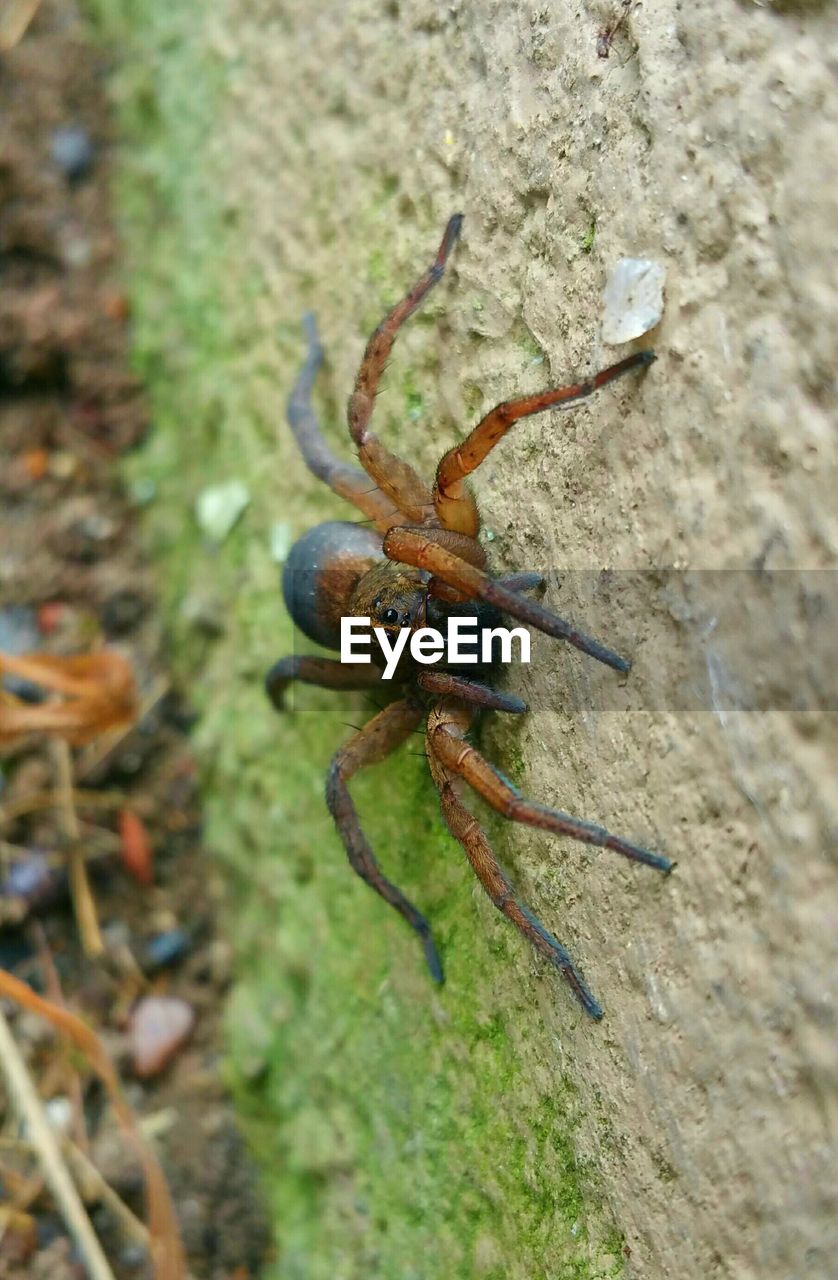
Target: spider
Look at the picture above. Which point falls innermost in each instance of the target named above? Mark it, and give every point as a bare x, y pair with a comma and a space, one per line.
418, 561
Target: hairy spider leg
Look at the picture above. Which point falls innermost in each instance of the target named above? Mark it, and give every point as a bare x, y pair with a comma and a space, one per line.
445, 685
524, 581
465, 761
454, 721
455, 506
392, 474
378, 738
343, 478
420, 547
328, 673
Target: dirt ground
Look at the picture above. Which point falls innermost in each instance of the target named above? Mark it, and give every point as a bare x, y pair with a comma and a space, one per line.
73, 577
301, 156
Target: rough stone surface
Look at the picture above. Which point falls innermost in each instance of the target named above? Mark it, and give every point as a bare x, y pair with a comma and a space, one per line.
303, 155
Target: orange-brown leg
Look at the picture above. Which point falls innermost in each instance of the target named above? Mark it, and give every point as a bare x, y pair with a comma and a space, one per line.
342, 477
455, 506
391, 474
465, 828
328, 673
417, 547
462, 760
382, 735
445, 685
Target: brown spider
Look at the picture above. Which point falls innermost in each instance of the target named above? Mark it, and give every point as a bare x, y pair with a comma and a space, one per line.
421, 563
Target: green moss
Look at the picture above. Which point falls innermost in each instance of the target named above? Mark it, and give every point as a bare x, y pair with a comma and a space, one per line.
590, 236
525, 341
414, 401
399, 1127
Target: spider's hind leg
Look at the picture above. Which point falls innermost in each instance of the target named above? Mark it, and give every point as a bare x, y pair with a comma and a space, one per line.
467, 830
461, 760
378, 738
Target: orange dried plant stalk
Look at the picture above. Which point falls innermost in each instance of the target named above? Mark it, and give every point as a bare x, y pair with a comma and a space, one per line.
98, 692
164, 1237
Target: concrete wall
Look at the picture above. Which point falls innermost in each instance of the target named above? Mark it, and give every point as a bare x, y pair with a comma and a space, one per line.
288, 155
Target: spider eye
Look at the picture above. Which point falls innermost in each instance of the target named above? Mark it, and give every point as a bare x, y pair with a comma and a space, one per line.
390, 617
376, 604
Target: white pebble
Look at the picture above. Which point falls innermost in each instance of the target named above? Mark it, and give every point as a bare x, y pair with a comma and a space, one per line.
632, 299
60, 1114
219, 507
281, 538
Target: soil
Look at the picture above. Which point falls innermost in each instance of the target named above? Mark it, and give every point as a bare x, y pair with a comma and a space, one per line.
72, 578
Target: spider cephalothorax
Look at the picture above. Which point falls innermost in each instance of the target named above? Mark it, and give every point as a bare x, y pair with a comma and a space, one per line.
420, 564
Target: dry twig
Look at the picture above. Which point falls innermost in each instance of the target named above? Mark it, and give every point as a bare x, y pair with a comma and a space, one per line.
83, 903
31, 1111
14, 20
164, 1238
98, 693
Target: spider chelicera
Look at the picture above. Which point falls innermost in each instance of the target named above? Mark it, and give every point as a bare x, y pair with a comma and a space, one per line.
418, 562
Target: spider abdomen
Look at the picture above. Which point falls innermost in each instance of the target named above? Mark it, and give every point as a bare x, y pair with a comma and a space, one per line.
321, 572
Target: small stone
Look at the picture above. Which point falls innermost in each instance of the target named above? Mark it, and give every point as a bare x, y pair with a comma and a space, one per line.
116, 934
73, 151
219, 508
280, 541
33, 880
143, 491
165, 949
60, 1114
123, 611
19, 635
632, 299
205, 613
160, 1026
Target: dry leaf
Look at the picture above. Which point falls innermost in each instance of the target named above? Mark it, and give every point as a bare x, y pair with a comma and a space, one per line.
99, 693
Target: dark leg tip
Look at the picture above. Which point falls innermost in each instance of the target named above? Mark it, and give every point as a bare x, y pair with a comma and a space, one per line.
276, 682
645, 358
603, 655
594, 1010
588, 1002
659, 863
433, 961
452, 232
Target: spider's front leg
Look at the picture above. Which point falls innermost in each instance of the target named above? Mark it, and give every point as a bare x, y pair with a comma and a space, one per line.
455, 507
378, 738
342, 478
426, 549
391, 474
327, 673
